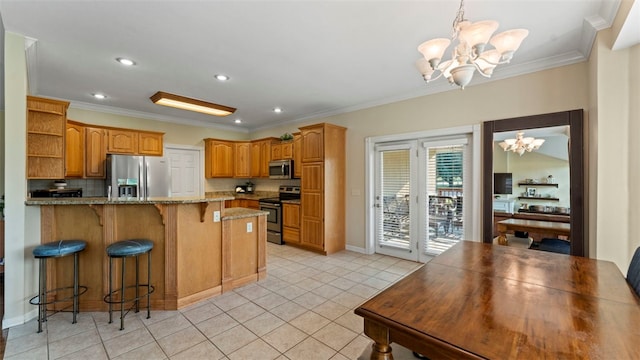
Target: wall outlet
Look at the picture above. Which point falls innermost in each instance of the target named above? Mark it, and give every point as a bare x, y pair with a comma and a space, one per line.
216, 216
249, 227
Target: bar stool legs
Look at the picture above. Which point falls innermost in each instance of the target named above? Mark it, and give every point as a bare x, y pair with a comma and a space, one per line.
124, 249
51, 250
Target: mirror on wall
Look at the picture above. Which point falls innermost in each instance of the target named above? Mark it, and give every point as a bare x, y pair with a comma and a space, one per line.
544, 184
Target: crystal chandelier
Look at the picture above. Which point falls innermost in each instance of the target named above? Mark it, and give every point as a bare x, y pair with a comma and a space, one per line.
469, 54
521, 144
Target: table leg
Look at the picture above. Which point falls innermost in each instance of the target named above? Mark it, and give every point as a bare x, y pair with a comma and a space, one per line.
502, 235
381, 349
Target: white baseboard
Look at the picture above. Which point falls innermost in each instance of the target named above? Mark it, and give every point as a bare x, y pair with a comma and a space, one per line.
356, 249
19, 320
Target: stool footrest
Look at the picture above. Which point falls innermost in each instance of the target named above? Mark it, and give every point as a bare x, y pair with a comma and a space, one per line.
32, 301
109, 297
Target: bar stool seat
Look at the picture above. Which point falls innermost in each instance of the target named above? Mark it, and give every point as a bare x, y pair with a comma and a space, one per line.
53, 250
129, 248
122, 250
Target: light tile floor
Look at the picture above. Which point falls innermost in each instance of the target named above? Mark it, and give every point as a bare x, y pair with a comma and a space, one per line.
303, 310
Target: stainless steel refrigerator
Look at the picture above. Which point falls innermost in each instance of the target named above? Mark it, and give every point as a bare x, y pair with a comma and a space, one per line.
138, 176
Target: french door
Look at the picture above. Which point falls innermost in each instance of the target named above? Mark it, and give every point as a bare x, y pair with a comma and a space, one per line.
419, 189
395, 166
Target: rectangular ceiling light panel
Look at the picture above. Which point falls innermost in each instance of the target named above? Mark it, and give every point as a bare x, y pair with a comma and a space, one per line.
185, 103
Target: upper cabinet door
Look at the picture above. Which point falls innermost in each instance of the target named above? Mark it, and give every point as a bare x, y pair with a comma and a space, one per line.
150, 144
297, 155
95, 152
122, 142
74, 151
312, 144
242, 156
218, 158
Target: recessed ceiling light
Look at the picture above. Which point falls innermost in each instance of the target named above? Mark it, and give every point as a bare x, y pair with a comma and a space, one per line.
221, 77
238, 121
125, 61
99, 96
277, 110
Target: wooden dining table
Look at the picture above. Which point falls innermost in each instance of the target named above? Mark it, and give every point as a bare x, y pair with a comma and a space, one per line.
546, 228
483, 301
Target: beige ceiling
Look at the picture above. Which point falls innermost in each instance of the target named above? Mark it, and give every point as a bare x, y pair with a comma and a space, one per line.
312, 58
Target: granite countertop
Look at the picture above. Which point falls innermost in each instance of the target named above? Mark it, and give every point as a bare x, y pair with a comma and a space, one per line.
296, 201
126, 201
239, 213
250, 196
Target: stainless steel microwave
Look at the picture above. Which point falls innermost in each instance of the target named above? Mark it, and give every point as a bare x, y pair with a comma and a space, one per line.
281, 169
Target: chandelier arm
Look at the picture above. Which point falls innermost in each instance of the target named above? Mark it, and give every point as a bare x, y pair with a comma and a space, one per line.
480, 70
435, 78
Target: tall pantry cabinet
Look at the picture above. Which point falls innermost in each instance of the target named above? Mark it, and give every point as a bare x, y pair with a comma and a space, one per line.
323, 187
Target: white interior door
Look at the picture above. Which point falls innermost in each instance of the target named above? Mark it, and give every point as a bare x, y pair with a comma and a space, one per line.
186, 171
395, 230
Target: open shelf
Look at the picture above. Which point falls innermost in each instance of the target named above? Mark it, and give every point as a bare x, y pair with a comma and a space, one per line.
537, 198
536, 184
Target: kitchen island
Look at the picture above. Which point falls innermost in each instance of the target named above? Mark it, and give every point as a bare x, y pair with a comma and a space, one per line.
200, 248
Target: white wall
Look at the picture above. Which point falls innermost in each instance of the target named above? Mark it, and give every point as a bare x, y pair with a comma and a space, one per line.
19, 264
616, 97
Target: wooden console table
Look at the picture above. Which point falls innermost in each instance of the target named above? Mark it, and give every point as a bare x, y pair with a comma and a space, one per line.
480, 301
550, 228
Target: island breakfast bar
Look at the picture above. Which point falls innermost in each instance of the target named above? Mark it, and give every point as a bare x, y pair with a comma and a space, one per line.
200, 248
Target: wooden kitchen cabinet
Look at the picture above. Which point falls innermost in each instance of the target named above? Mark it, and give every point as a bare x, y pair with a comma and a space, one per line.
150, 143
276, 152
242, 160
74, 150
323, 188
243, 203
46, 130
312, 144
282, 151
291, 223
260, 157
95, 152
297, 155
218, 158
121, 141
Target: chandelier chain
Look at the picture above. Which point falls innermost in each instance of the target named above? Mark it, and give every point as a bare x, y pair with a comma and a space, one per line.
458, 19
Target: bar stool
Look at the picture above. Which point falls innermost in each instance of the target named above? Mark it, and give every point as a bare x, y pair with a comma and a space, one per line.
53, 250
123, 249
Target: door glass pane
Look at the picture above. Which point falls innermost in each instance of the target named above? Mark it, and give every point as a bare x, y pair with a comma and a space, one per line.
395, 188
445, 226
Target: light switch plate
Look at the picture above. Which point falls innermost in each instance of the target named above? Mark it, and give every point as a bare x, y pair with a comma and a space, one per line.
249, 227
216, 216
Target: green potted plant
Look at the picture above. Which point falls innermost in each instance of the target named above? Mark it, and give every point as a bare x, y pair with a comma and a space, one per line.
286, 137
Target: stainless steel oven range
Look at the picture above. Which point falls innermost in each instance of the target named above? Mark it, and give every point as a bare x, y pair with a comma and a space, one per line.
274, 207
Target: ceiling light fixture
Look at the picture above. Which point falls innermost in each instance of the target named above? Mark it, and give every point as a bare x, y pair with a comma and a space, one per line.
469, 54
126, 62
221, 77
185, 103
277, 110
99, 96
238, 121
521, 144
